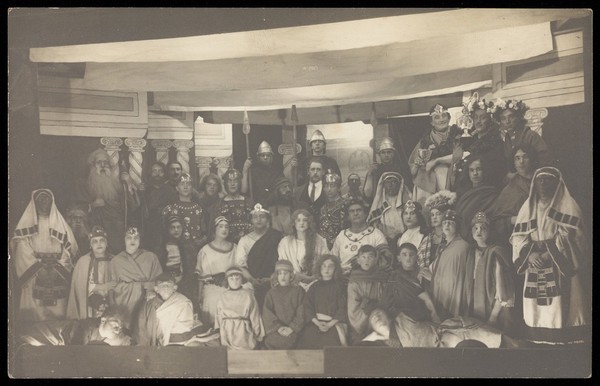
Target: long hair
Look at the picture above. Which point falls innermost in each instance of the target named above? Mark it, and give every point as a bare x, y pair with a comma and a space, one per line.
337, 274
205, 179
531, 153
310, 239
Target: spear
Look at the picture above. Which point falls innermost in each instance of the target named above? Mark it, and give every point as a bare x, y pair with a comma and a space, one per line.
294, 122
374, 124
246, 131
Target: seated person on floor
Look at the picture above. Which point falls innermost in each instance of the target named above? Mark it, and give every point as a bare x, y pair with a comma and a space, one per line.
403, 290
107, 329
365, 290
282, 312
403, 331
167, 318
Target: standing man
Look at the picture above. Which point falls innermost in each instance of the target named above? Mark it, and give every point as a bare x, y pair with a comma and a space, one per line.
256, 252
312, 192
91, 276
78, 218
390, 162
285, 204
263, 175
333, 217
44, 245
156, 196
104, 191
318, 147
174, 171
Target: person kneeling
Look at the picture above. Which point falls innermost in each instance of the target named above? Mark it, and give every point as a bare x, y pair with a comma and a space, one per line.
167, 318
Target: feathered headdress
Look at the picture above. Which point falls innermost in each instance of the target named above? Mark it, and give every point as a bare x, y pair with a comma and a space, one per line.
441, 200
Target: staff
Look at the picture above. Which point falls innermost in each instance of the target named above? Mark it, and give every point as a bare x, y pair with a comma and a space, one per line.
246, 131
374, 124
294, 122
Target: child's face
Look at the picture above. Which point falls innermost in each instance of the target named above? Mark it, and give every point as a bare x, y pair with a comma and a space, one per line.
284, 277
408, 259
184, 188
175, 230
327, 269
234, 281
367, 260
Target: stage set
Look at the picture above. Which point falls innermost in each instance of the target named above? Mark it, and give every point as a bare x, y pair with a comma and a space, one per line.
208, 89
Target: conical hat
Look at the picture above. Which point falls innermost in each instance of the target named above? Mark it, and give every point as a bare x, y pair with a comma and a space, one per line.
264, 147
317, 136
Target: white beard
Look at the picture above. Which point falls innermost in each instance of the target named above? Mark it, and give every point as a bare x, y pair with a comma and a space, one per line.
105, 186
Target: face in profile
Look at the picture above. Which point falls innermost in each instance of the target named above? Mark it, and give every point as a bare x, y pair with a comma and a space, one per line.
367, 260
132, 243
98, 245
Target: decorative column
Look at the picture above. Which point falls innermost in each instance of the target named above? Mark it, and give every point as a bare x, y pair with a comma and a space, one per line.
183, 153
112, 147
535, 118
162, 149
136, 148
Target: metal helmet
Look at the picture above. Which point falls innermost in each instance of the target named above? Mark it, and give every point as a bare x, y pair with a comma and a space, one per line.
386, 144
264, 147
317, 136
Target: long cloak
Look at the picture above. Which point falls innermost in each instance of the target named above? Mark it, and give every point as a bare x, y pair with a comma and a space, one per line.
87, 268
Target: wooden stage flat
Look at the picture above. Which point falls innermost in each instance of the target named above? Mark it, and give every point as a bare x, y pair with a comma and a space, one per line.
201, 362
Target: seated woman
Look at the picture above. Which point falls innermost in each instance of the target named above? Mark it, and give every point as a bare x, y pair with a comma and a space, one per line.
213, 260
403, 331
302, 247
478, 196
503, 213
413, 220
489, 286
403, 291
325, 312
107, 329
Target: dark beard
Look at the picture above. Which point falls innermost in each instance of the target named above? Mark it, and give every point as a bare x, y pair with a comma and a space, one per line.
284, 200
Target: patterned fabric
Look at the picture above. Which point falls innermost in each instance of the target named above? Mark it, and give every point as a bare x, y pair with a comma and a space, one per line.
332, 220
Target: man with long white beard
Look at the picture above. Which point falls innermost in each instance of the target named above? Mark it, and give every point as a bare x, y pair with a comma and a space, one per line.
103, 190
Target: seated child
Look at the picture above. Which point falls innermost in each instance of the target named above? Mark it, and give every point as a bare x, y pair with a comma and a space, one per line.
107, 330
365, 290
282, 312
238, 316
403, 291
325, 307
167, 318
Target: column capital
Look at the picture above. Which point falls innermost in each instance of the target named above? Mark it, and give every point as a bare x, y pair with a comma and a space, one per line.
535, 118
111, 143
135, 144
183, 144
161, 144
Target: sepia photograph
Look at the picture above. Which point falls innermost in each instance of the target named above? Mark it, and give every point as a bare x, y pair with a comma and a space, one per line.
299, 193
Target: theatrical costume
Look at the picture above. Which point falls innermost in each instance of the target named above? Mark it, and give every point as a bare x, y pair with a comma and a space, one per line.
42, 257
281, 215
294, 251
448, 273
263, 179
194, 223
427, 249
365, 291
239, 321
89, 271
412, 236
237, 211
507, 205
524, 135
347, 243
555, 305
479, 199
401, 294
163, 322
212, 264
333, 218
69, 333
325, 300
283, 307
491, 147
386, 212
135, 275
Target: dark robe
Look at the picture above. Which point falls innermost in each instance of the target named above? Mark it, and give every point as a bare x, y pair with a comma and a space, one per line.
263, 179
263, 254
401, 294
471, 202
527, 136
490, 147
155, 199
507, 205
